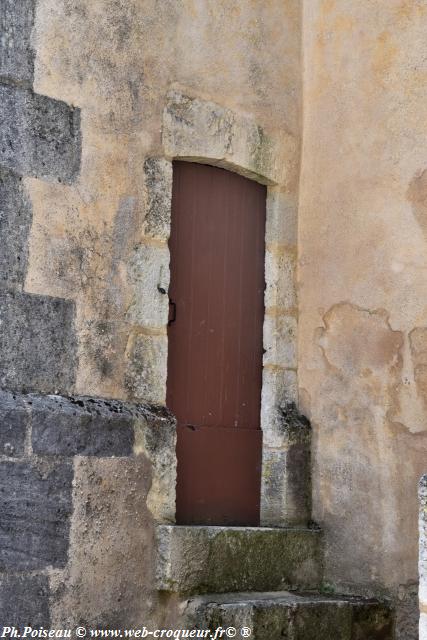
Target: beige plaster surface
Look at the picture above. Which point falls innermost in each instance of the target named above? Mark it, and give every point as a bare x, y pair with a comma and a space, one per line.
362, 281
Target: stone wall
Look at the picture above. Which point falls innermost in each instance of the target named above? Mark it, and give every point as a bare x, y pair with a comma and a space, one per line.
85, 185
82, 483
362, 287
82, 480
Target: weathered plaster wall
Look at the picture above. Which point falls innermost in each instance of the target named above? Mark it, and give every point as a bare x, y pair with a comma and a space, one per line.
117, 61
363, 285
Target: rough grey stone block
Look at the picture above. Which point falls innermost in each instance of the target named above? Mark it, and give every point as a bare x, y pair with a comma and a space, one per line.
35, 509
16, 51
14, 419
15, 223
292, 616
24, 601
201, 559
83, 426
37, 342
39, 136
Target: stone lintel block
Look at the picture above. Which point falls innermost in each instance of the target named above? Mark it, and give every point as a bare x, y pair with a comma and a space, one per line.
157, 197
39, 136
37, 342
15, 223
202, 559
24, 601
203, 131
293, 616
280, 341
148, 276
35, 511
16, 50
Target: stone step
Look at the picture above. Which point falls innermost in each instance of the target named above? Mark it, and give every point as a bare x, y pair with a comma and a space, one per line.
291, 616
202, 559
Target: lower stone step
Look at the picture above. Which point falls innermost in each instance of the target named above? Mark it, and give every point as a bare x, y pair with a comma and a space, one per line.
290, 616
202, 559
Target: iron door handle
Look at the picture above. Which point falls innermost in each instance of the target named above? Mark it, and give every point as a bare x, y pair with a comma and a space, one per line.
172, 317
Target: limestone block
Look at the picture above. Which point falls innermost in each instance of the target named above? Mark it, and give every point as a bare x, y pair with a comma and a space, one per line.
286, 486
279, 388
39, 136
37, 342
16, 51
204, 131
145, 377
280, 335
148, 275
35, 509
15, 224
282, 218
280, 269
157, 197
156, 439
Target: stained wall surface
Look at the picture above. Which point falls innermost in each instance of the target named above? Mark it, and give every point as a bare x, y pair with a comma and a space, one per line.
362, 283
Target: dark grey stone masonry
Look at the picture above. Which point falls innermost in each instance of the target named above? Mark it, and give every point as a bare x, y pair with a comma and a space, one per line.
14, 420
82, 426
16, 51
24, 601
39, 136
35, 510
15, 224
37, 343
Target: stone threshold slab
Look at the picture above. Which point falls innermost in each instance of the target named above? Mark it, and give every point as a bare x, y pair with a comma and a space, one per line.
294, 616
203, 559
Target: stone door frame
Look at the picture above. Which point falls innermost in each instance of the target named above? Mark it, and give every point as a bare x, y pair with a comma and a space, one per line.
197, 130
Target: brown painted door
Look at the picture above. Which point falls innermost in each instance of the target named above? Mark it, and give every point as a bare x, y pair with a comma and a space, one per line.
215, 343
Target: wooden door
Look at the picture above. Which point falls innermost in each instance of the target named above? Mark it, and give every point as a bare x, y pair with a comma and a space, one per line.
215, 343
